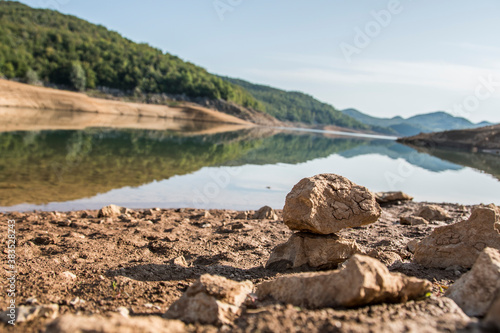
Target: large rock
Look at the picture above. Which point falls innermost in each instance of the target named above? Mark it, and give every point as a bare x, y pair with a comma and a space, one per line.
362, 281
477, 289
433, 213
328, 203
311, 250
212, 300
116, 323
390, 197
460, 243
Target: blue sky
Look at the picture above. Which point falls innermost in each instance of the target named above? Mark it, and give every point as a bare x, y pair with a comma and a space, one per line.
383, 57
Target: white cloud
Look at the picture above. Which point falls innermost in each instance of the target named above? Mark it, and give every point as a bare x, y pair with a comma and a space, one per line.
446, 76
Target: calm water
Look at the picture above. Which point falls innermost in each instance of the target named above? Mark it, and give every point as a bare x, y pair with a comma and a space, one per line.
87, 169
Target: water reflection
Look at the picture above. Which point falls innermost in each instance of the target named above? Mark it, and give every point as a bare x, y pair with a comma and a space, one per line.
74, 166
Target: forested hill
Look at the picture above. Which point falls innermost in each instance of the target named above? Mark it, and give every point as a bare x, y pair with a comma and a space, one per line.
299, 107
45, 45
40, 44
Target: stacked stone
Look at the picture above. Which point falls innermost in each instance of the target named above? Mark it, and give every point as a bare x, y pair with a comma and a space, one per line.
318, 208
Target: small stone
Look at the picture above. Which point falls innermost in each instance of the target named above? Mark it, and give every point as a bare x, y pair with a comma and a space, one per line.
362, 281
328, 203
392, 197
238, 226
242, 215
180, 261
64, 223
412, 220
76, 301
306, 250
265, 213
411, 245
475, 291
460, 243
115, 323
212, 300
29, 313
31, 301
387, 257
123, 311
113, 210
433, 213
68, 275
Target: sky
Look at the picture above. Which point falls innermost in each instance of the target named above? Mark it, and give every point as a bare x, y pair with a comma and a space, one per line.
382, 57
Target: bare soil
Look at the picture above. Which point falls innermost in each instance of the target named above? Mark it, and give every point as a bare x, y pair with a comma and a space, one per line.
133, 261
24, 96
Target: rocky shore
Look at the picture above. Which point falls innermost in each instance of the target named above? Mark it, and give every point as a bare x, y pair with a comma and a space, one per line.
483, 139
389, 265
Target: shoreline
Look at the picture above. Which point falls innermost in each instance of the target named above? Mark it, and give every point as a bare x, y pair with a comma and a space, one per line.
24, 96
92, 264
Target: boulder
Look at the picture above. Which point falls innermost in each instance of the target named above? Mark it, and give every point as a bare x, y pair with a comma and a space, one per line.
112, 210
265, 213
433, 213
461, 243
212, 300
328, 203
412, 220
115, 323
312, 251
477, 289
390, 197
362, 281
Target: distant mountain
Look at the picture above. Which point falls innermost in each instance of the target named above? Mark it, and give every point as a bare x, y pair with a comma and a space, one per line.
424, 123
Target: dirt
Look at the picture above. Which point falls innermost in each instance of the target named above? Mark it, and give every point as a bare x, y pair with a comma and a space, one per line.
24, 96
134, 261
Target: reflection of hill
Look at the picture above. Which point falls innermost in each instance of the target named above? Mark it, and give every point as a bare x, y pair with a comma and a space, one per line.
42, 167
395, 150
488, 163
296, 148
49, 166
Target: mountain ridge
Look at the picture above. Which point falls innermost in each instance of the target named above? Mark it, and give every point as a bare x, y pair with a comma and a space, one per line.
422, 123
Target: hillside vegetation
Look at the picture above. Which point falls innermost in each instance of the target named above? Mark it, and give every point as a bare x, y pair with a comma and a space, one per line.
298, 107
40, 44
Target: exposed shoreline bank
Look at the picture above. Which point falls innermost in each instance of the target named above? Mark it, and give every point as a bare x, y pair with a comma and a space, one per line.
23, 96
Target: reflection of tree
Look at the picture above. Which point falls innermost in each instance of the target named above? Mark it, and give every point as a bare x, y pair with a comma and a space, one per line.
66, 165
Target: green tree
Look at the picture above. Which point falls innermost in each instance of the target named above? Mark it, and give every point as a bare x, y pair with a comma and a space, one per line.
31, 77
77, 77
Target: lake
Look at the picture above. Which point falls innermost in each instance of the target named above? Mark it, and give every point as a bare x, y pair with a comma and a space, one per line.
203, 167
